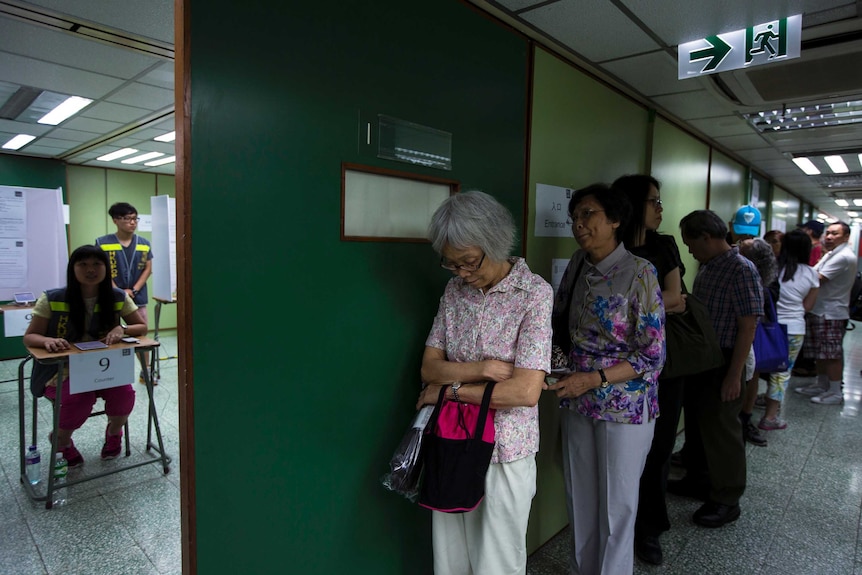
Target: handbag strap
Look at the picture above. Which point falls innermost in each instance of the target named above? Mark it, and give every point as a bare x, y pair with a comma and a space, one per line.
483, 409
769, 307
561, 331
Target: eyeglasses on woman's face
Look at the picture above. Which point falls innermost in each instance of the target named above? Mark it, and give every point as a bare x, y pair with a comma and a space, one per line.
656, 202
447, 265
130, 219
581, 216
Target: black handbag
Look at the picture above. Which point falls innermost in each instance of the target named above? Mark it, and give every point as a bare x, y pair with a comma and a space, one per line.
456, 461
692, 344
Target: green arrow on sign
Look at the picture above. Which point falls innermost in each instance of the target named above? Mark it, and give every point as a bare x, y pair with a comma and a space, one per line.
717, 50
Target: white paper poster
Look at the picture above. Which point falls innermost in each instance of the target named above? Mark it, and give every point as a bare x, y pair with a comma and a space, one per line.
16, 321
552, 210
13, 263
13, 213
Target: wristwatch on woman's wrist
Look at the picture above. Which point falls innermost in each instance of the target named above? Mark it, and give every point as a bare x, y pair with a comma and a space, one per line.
455, 387
134, 292
605, 383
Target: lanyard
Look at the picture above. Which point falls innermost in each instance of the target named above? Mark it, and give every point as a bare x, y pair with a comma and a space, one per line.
129, 260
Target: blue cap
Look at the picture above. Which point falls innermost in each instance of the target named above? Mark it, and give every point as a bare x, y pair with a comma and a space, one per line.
746, 222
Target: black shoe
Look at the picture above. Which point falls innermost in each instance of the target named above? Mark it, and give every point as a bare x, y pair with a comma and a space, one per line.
687, 488
648, 549
712, 514
752, 434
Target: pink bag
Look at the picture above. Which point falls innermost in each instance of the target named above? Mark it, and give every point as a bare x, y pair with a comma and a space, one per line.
457, 449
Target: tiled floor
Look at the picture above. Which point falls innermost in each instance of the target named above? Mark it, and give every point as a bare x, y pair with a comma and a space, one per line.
800, 511
126, 523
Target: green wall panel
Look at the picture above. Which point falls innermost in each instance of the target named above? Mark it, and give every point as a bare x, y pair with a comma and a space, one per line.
570, 148
728, 186
32, 173
681, 163
309, 383
87, 192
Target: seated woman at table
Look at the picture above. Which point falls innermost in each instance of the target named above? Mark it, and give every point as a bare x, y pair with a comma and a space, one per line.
88, 308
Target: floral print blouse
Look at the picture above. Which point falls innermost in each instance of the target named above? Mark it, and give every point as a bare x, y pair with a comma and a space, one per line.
511, 323
616, 314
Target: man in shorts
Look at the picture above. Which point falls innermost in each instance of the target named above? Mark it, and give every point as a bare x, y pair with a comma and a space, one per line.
826, 324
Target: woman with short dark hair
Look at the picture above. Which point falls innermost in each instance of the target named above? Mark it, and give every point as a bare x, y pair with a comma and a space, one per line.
609, 322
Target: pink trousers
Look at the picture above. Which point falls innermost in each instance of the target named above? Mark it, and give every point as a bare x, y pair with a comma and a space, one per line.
76, 407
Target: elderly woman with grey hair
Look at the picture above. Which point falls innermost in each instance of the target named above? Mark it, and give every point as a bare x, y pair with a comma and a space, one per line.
493, 324
761, 254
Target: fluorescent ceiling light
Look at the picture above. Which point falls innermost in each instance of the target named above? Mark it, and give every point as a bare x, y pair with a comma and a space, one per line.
836, 164
853, 214
842, 202
831, 220
18, 142
143, 157
71, 106
117, 155
780, 204
162, 161
169, 137
821, 216
857, 202
810, 116
806, 166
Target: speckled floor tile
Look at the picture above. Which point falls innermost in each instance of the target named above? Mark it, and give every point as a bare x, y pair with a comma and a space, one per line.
19, 553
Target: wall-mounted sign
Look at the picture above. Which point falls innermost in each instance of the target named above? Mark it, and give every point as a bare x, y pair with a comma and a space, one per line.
761, 44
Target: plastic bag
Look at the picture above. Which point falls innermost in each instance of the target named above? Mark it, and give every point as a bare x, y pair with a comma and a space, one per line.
405, 467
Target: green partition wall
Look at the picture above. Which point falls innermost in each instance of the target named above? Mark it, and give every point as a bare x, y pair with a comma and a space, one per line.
681, 163
729, 185
570, 148
306, 348
31, 173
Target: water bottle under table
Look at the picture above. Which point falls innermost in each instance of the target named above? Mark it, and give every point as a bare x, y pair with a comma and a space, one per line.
61, 468
33, 465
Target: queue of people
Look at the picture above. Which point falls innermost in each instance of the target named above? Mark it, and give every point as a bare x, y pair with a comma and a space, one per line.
604, 335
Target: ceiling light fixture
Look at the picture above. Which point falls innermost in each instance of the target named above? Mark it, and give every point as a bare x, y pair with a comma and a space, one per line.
853, 214
816, 116
143, 157
857, 202
842, 202
117, 155
162, 161
806, 166
169, 137
836, 164
18, 142
70, 106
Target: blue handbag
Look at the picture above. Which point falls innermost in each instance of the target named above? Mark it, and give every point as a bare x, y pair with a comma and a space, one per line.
770, 340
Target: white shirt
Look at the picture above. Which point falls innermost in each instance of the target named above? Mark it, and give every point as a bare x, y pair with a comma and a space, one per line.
839, 267
793, 291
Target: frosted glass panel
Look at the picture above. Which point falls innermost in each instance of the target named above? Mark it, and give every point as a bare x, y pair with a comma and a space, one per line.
381, 206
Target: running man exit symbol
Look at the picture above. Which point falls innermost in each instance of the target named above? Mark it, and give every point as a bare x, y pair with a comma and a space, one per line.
760, 44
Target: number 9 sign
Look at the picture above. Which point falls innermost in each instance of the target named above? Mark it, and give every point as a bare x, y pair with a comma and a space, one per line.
101, 369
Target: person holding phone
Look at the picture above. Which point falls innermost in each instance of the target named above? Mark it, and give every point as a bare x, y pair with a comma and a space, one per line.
88, 308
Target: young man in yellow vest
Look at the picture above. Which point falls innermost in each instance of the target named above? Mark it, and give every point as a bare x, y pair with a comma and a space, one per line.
131, 257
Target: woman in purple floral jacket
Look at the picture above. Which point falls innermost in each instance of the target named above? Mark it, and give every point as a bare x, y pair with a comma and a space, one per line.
609, 319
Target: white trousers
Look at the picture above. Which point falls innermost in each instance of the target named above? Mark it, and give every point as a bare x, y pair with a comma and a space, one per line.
491, 539
602, 465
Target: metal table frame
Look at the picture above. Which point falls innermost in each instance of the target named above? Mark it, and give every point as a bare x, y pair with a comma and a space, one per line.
147, 346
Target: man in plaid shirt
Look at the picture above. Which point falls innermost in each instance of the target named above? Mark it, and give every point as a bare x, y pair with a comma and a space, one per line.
730, 287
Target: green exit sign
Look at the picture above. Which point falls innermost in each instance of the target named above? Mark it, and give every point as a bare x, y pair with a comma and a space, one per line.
761, 44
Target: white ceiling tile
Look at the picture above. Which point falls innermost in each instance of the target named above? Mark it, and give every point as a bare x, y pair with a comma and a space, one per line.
515, 5
63, 145
162, 76
152, 19
114, 112
143, 96
585, 27
31, 72
72, 135
40, 43
91, 125
650, 74
723, 126
693, 105
37, 150
744, 142
23, 128
677, 22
